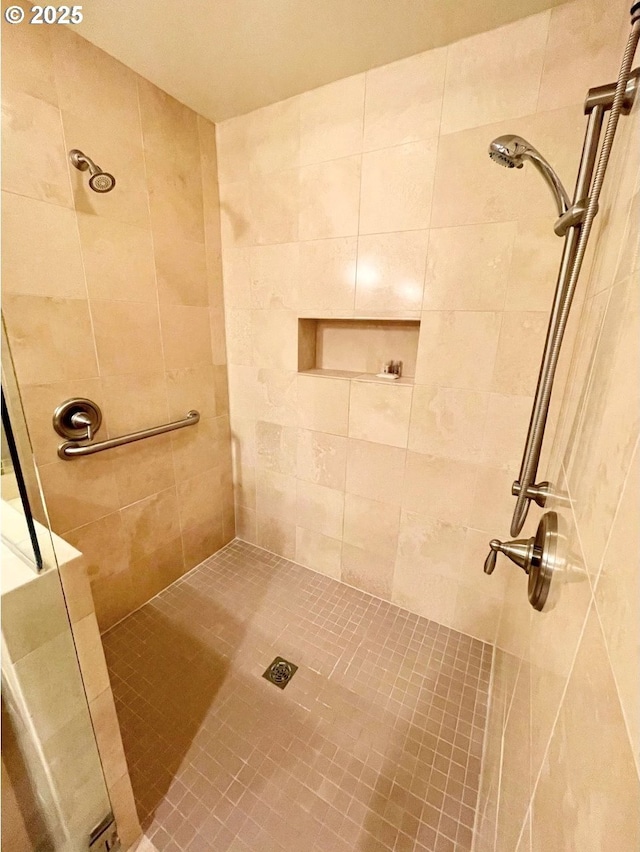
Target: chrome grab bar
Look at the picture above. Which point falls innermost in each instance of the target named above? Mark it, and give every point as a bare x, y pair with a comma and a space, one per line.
576, 226
72, 449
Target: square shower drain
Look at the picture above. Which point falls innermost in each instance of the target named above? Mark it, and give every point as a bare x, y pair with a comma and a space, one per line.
280, 672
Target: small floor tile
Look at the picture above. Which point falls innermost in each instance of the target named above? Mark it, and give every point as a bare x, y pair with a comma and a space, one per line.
375, 743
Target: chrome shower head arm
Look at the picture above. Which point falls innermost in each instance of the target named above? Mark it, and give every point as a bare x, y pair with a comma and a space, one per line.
82, 162
553, 181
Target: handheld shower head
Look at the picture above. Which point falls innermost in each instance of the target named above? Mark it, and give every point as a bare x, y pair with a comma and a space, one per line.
508, 151
512, 151
99, 181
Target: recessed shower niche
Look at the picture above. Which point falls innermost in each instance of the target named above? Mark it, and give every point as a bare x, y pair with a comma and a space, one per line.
357, 347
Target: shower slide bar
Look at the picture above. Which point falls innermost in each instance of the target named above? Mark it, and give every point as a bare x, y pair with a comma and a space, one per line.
575, 225
72, 450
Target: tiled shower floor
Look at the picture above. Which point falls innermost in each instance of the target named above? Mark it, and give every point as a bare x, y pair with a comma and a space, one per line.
375, 743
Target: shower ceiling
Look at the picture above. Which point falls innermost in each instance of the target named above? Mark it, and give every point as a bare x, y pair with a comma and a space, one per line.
227, 57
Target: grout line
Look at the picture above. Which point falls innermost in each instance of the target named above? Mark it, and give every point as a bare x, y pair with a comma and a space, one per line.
527, 816
485, 745
538, 775
177, 580
491, 124
87, 298
597, 610
625, 718
364, 108
158, 314
598, 572
543, 64
387, 602
580, 406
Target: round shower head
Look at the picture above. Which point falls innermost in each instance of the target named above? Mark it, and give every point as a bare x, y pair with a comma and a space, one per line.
508, 151
99, 181
102, 182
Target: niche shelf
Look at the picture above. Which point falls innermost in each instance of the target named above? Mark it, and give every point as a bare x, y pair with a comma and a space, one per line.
356, 348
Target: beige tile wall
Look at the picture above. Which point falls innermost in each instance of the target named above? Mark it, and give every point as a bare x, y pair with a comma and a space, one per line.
374, 196
118, 298
562, 764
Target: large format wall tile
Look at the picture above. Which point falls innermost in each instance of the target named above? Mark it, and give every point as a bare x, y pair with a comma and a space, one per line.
506, 424
186, 336
175, 198
323, 404
274, 134
181, 267
273, 203
321, 458
327, 276
127, 336
145, 470
79, 493
266, 277
27, 62
118, 259
122, 157
391, 271
40, 249
438, 487
583, 46
92, 83
474, 279
610, 422
375, 470
380, 413
586, 797
386, 204
469, 188
392, 199
274, 335
616, 596
392, 120
320, 508
114, 297
458, 348
583, 651
494, 75
520, 346
276, 447
368, 570
169, 128
448, 422
41, 319
34, 161
319, 552
329, 199
134, 401
331, 121
371, 525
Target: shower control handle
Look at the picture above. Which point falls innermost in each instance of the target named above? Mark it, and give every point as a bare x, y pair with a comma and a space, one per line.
80, 420
538, 556
77, 419
519, 551
490, 561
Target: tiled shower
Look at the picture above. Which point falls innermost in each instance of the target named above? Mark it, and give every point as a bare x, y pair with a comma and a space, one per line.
375, 743
262, 271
